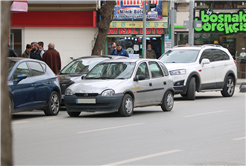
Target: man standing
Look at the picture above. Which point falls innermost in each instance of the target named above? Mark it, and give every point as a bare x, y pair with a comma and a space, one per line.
52, 58
112, 48
119, 51
150, 53
36, 53
26, 53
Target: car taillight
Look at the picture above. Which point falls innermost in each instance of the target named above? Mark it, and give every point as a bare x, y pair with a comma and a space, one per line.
235, 62
58, 79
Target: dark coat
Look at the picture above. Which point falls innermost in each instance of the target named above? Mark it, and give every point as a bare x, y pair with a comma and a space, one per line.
36, 54
52, 58
12, 53
122, 52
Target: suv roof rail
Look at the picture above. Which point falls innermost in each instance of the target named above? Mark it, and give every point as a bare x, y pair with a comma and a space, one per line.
214, 45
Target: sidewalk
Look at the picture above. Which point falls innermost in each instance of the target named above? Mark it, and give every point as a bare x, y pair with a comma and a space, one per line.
240, 80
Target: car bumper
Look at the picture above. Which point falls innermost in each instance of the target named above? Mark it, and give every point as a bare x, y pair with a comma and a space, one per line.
103, 103
180, 89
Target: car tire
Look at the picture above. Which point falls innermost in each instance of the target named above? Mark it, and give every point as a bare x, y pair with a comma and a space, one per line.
11, 106
191, 93
53, 105
168, 101
73, 114
127, 106
229, 87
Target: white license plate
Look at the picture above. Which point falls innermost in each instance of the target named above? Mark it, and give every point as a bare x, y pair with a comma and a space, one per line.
86, 101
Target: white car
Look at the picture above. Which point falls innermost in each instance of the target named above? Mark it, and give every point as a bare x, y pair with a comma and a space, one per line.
201, 68
120, 85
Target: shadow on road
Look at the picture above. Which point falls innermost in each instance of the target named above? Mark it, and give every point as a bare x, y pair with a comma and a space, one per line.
27, 115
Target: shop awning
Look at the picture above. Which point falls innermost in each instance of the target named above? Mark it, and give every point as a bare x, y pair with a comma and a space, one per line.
139, 24
19, 6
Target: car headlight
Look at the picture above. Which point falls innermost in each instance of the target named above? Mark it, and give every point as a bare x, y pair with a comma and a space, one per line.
68, 92
108, 92
178, 72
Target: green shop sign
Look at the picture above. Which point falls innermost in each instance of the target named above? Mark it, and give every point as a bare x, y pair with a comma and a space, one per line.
228, 23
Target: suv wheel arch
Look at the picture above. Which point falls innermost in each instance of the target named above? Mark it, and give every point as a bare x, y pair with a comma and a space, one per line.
198, 80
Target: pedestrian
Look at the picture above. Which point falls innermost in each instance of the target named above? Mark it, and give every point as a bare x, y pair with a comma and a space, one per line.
119, 51
26, 53
150, 53
52, 58
41, 46
36, 53
12, 53
113, 46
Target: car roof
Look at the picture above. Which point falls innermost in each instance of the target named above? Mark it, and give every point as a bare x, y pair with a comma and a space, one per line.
101, 57
197, 47
130, 60
23, 59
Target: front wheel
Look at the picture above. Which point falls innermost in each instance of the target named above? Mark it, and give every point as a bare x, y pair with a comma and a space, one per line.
53, 105
126, 108
191, 94
229, 87
168, 102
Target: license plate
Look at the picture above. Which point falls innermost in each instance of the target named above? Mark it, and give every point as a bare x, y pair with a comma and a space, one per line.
86, 101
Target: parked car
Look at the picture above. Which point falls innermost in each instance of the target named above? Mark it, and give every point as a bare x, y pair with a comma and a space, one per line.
120, 85
75, 70
201, 68
32, 85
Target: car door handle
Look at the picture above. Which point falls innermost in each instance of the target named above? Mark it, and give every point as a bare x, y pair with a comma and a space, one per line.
33, 85
164, 82
48, 82
225, 64
150, 84
213, 66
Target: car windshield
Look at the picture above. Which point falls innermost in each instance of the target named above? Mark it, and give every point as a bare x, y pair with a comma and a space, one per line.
11, 65
113, 70
80, 66
180, 56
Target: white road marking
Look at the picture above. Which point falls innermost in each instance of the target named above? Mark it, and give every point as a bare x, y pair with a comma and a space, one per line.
19, 122
88, 131
204, 114
143, 157
236, 139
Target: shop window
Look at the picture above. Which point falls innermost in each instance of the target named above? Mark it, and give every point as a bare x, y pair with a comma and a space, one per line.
16, 40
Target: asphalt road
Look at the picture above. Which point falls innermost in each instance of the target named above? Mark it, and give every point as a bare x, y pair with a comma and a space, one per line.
207, 131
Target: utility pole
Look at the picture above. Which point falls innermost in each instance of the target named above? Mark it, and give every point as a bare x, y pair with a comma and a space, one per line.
144, 28
172, 23
191, 24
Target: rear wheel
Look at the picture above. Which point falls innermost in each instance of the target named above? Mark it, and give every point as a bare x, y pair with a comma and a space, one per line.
191, 93
73, 114
126, 108
168, 101
229, 87
53, 105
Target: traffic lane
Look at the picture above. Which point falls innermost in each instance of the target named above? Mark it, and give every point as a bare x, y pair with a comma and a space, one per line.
200, 138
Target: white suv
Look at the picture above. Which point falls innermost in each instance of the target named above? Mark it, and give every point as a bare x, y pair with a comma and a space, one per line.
201, 68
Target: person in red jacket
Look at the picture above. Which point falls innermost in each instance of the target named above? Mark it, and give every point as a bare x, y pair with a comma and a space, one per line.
52, 58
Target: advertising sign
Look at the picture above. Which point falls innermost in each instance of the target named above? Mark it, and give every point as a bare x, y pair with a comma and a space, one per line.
229, 23
19, 7
138, 24
133, 10
135, 31
168, 44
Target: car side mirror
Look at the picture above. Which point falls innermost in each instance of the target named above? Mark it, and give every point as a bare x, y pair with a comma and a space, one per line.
205, 61
21, 77
139, 78
83, 76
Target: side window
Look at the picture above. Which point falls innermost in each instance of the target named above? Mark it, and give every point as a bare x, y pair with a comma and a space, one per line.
21, 69
164, 69
143, 70
44, 67
206, 54
225, 55
155, 70
217, 55
36, 68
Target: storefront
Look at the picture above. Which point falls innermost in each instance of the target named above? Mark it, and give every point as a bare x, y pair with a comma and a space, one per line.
68, 26
127, 27
223, 27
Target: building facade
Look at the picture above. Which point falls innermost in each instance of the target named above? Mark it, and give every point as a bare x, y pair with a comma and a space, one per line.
71, 25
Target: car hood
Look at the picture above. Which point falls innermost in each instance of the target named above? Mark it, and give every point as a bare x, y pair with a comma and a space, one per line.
174, 66
94, 86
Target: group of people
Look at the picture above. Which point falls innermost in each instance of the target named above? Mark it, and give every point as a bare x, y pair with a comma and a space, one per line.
116, 49
51, 56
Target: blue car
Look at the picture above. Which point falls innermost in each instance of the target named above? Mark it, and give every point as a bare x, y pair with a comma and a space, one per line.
32, 86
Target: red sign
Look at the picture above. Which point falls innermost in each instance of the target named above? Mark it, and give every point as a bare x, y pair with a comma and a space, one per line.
135, 31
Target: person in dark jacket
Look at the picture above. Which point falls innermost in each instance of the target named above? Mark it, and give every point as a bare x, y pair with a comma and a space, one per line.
26, 53
119, 51
12, 53
52, 58
113, 46
36, 53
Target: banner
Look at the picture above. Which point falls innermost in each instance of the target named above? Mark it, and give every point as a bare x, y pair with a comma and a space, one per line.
133, 10
138, 24
135, 31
